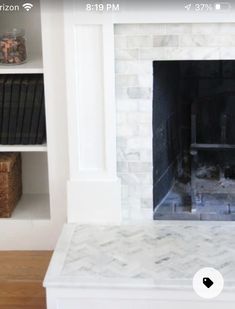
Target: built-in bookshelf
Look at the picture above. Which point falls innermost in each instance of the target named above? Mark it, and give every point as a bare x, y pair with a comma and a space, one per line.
34, 224
33, 65
23, 148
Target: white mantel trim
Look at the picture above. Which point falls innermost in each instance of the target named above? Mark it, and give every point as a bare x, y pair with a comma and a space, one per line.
94, 191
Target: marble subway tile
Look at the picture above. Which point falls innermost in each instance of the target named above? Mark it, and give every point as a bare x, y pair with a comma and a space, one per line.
136, 143
206, 53
147, 214
208, 28
145, 80
193, 53
127, 130
145, 106
127, 29
121, 142
179, 53
178, 28
155, 53
121, 117
127, 105
139, 92
140, 117
140, 41
132, 155
226, 40
121, 96
122, 167
165, 40
127, 67
226, 28
136, 214
134, 117
197, 41
146, 155
121, 157
120, 41
127, 80
207, 40
125, 213
145, 129
134, 67
144, 179
227, 53
214, 28
153, 29
139, 29
145, 67
129, 179
127, 54
125, 206
134, 196
139, 167
146, 192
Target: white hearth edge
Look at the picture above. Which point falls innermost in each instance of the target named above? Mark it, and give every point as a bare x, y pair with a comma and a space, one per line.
139, 266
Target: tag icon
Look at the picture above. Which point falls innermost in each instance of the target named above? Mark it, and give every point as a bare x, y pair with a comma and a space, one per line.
207, 282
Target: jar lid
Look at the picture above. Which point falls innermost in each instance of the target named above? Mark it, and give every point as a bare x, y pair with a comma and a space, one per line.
12, 33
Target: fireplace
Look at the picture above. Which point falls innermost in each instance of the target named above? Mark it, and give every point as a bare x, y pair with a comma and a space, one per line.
194, 140
111, 133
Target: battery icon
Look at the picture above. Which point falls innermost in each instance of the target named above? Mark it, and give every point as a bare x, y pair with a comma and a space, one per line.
222, 6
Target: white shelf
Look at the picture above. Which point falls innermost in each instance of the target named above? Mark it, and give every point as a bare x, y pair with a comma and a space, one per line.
23, 148
31, 207
32, 66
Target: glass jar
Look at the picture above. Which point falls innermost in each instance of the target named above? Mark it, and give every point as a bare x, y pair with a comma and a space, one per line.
13, 47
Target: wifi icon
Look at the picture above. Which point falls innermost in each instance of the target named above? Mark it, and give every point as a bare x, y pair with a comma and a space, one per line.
27, 6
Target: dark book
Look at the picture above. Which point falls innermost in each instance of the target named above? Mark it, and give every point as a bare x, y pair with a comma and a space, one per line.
15, 97
28, 110
41, 136
6, 109
38, 101
20, 117
2, 81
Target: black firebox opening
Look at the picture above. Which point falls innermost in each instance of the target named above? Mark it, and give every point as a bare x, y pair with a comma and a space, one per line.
194, 140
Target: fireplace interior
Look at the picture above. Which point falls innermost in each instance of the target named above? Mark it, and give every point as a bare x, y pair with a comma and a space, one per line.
194, 140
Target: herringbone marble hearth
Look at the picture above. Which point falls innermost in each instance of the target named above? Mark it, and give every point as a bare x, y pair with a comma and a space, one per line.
139, 255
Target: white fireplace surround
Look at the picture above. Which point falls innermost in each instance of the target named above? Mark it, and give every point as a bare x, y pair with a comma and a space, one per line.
109, 89
136, 47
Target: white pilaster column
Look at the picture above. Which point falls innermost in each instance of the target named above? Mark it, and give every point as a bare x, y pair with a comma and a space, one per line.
94, 193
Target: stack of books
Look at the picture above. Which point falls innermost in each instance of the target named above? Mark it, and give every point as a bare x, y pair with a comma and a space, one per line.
22, 110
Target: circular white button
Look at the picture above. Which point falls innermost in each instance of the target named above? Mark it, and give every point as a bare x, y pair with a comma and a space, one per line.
208, 283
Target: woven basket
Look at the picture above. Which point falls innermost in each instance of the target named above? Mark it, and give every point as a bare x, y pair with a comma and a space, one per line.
10, 183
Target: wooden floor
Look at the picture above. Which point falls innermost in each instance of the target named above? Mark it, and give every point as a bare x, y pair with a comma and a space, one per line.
21, 277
